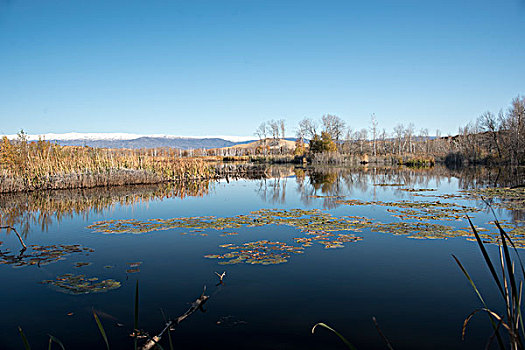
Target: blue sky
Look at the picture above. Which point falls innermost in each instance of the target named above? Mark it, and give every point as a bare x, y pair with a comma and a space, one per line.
222, 67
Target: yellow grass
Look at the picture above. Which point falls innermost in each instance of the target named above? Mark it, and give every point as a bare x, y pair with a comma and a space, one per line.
34, 165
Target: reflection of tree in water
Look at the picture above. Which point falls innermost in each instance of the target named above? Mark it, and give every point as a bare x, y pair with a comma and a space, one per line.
272, 190
481, 177
41, 208
23, 210
326, 184
473, 177
329, 183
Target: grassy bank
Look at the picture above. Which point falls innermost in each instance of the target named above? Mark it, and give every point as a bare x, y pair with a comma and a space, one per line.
41, 165
26, 166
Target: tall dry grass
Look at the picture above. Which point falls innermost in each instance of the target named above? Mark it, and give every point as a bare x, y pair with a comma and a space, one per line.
44, 165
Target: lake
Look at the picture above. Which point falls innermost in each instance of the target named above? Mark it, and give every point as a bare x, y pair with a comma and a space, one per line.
307, 245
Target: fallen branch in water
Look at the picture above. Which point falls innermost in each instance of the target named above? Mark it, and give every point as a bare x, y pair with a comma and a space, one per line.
221, 276
196, 305
18, 235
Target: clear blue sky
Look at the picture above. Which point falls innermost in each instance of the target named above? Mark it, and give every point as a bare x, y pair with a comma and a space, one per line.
222, 67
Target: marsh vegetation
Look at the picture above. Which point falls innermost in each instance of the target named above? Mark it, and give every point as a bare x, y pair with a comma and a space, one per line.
330, 244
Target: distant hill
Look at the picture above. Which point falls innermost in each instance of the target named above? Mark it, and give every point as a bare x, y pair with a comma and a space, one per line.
123, 140
152, 142
274, 144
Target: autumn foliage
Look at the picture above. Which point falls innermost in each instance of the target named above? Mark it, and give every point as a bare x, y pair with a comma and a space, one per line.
42, 165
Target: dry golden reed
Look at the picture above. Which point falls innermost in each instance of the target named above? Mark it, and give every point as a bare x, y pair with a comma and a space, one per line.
44, 165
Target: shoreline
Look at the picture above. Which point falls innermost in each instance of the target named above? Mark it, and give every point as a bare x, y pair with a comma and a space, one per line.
127, 177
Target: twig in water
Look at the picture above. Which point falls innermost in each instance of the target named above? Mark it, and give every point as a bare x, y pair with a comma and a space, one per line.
18, 235
389, 346
196, 305
221, 276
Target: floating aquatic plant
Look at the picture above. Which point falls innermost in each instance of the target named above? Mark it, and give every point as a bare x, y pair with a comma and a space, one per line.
420, 219
133, 267
388, 184
418, 189
41, 255
260, 252
81, 264
507, 198
80, 284
313, 219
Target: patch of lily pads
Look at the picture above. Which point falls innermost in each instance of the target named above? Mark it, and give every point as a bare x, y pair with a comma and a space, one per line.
312, 219
314, 224
389, 184
266, 252
418, 189
418, 219
417, 230
81, 264
41, 255
261, 252
80, 284
505, 197
133, 267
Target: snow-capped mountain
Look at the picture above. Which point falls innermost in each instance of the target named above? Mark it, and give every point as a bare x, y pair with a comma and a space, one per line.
125, 140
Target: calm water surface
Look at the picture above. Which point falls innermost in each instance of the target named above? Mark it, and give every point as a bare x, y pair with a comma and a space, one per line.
412, 286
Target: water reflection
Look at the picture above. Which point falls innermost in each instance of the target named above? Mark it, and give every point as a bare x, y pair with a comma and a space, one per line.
312, 184
332, 183
42, 208
378, 267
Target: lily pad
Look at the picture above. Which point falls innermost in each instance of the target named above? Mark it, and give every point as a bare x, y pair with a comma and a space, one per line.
79, 284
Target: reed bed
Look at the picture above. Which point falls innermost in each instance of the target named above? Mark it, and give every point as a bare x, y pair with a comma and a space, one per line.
418, 162
509, 281
26, 166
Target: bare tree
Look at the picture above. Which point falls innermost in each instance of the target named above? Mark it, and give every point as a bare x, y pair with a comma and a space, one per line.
334, 126
516, 129
490, 124
274, 128
282, 126
383, 137
261, 131
363, 136
307, 129
348, 141
399, 131
373, 129
423, 136
409, 136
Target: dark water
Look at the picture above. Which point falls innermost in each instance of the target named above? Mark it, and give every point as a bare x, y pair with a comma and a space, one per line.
412, 286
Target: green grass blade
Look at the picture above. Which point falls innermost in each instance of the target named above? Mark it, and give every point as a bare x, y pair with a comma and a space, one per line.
55, 340
494, 324
136, 319
513, 246
169, 331
510, 272
514, 289
502, 232
487, 259
347, 343
24, 339
101, 329
169, 339
470, 280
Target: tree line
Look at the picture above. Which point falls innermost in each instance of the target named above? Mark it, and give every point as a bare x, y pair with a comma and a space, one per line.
489, 139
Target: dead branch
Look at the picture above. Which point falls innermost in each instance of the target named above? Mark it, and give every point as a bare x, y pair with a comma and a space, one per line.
196, 305
18, 235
